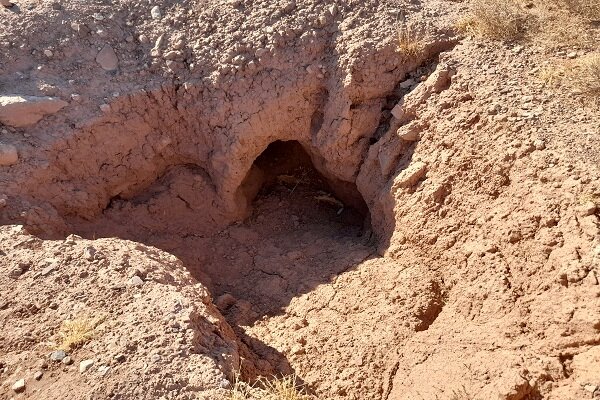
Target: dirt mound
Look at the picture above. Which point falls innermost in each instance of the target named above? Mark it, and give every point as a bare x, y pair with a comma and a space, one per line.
147, 328
376, 204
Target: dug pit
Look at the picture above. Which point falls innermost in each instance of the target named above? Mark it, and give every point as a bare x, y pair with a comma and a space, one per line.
270, 185
301, 231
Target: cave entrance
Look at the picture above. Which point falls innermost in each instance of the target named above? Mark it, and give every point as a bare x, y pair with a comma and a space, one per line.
285, 167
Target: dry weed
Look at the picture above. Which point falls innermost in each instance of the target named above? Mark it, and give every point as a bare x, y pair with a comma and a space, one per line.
284, 388
585, 8
552, 74
466, 25
75, 333
586, 75
461, 394
495, 19
582, 74
409, 41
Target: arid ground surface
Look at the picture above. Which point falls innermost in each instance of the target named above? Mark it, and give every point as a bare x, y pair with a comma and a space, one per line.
393, 200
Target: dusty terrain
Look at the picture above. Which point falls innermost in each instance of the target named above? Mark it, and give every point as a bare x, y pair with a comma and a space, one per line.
229, 190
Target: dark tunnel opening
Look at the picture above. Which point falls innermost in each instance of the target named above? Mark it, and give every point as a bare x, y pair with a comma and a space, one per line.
286, 167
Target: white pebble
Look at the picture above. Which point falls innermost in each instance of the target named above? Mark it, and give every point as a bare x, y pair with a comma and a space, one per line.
155, 12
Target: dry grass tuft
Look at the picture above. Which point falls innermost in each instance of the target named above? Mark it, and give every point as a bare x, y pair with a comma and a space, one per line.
586, 75
284, 388
409, 42
552, 75
461, 394
585, 8
582, 74
495, 19
77, 332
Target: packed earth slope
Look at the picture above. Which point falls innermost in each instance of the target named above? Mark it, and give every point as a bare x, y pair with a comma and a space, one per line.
155, 324
352, 193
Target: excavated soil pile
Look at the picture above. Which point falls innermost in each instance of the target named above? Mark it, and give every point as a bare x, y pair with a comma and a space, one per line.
254, 188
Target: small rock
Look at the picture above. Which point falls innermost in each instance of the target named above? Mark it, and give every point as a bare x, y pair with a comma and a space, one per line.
225, 384
120, 358
107, 58
19, 386
67, 360
155, 358
102, 33
136, 281
411, 132
172, 55
103, 369
398, 110
539, 144
8, 155
410, 176
155, 12
238, 60
179, 45
144, 39
85, 365
261, 52
225, 301
159, 41
48, 53
38, 375
588, 208
297, 350
81, 29
105, 108
18, 270
48, 270
20, 111
407, 83
491, 248
572, 55
72, 239
155, 52
590, 388
89, 253
58, 355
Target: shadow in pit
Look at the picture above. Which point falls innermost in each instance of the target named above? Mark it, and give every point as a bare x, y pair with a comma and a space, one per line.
305, 230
